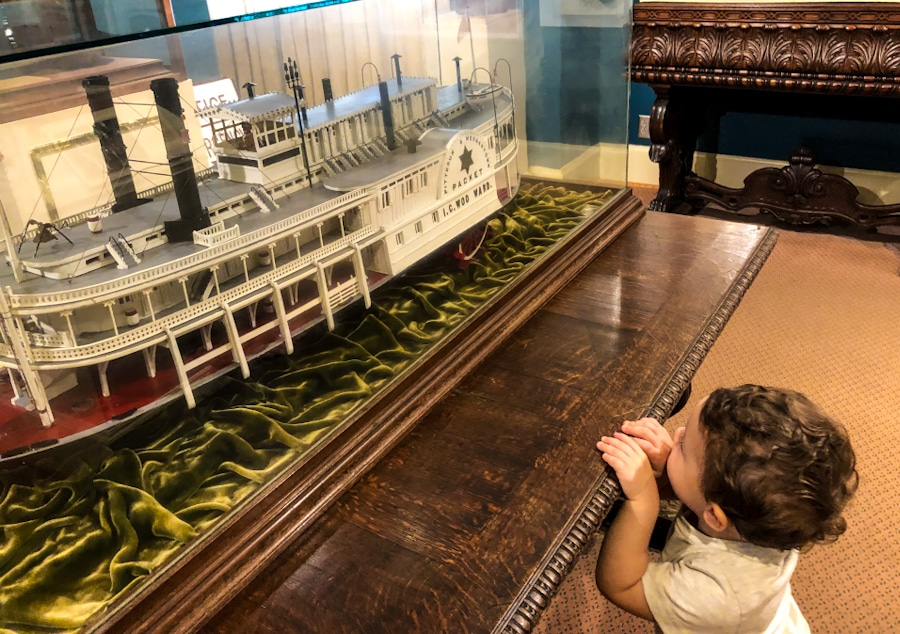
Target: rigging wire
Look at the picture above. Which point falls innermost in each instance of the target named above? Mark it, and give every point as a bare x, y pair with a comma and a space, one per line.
53, 168
140, 117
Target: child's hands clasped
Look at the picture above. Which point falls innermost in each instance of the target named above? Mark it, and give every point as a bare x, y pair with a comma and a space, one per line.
632, 467
653, 438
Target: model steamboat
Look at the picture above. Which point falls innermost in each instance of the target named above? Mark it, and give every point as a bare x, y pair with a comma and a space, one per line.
308, 211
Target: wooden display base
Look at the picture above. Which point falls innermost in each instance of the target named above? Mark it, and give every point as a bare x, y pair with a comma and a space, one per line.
210, 573
471, 523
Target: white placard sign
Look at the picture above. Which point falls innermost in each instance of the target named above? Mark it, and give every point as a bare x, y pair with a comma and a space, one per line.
212, 94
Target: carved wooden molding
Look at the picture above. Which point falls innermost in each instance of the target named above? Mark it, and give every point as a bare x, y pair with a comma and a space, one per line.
798, 194
843, 48
536, 595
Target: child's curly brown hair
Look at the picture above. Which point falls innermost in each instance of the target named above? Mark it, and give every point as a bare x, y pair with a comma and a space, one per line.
779, 467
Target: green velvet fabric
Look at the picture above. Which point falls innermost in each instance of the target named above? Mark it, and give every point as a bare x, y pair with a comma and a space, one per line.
82, 527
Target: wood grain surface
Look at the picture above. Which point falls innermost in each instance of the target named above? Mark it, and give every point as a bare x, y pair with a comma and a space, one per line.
448, 530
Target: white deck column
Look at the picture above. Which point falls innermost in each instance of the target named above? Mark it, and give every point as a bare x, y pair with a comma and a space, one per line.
187, 300
237, 350
323, 296
283, 324
102, 367
150, 360
68, 315
215, 272
147, 295
15, 331
361, 279
179, 369
112, 315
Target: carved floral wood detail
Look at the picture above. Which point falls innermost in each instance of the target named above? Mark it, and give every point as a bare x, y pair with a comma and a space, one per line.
846, 49
817, 47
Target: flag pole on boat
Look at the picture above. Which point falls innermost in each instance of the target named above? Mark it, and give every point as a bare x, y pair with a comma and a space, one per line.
292, 77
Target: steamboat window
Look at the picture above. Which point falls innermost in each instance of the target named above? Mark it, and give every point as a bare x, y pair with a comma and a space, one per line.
386, 199
275, 131
435, 218
419, 227
399, 237
233, 134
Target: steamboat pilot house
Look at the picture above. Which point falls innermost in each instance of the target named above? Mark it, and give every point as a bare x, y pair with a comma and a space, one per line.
257, 140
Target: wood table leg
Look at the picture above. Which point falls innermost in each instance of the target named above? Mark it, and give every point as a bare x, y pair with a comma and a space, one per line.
674, 129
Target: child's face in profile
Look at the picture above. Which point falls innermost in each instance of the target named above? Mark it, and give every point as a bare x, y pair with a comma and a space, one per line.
685, 464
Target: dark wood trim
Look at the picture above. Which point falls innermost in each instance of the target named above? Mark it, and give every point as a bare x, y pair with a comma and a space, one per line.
823, 198
702, 59
835, 48
195, 586
837, 15
573, 542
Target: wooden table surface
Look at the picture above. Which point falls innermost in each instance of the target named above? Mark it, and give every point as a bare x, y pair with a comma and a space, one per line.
470, 523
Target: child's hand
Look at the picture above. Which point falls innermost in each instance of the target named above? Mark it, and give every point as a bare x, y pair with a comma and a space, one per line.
653, 438
632, 467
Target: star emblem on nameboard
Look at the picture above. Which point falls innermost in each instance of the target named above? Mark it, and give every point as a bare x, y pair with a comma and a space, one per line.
465, 159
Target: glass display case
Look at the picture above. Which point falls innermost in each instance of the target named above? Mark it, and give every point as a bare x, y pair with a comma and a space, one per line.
247, 246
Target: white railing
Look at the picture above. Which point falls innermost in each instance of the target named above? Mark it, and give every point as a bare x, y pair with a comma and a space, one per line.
343, 292
71, 298
216, 234
203, 310
56, 340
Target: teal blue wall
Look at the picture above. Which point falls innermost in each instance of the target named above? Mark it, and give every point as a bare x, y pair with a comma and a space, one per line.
858, 143
577, 83
841, 142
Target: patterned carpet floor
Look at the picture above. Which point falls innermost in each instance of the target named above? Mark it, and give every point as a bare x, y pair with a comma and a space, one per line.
820, 318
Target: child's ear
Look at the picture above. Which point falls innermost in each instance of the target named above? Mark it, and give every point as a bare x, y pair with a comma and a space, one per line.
715, 517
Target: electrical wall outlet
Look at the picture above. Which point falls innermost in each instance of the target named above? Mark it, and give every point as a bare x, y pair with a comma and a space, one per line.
643, 126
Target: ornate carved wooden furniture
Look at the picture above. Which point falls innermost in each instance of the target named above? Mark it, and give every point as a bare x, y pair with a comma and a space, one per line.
820, 59
472, 521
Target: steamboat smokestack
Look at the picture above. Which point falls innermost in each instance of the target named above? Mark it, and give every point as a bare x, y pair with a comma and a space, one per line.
181, 162
396, 59
115, 154
326, 88
459, 87
386, 115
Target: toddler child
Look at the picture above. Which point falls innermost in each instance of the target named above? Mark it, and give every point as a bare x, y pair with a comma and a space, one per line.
761, 473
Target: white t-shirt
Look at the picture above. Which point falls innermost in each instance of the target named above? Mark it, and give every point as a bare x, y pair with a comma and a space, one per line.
706, 585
